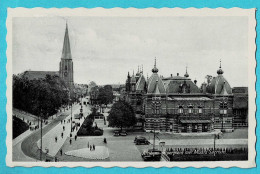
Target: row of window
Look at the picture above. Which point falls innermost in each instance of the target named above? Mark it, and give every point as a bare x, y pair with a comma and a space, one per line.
157, 110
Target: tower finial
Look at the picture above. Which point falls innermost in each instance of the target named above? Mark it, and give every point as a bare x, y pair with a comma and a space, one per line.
186, 74
155, 69
220, 71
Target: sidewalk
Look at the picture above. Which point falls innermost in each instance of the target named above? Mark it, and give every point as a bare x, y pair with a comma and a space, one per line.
48, 139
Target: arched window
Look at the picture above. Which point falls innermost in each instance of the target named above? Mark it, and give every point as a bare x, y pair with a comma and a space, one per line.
180, 110
200, 110
190, 109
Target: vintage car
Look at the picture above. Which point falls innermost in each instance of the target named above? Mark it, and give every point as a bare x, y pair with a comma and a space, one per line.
151, 155
120, 133
141, 140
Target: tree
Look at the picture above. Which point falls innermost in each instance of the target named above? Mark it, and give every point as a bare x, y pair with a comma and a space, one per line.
105, 94
121, 115
91, 85
39, 96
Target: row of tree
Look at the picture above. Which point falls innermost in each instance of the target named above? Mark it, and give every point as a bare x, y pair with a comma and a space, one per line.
39, 96
101, 94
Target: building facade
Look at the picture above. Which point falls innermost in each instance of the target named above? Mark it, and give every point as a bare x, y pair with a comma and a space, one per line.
176, 104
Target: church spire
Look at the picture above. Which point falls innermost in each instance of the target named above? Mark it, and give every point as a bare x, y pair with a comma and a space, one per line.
66, 53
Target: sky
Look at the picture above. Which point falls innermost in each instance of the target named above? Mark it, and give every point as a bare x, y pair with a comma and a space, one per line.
104, 49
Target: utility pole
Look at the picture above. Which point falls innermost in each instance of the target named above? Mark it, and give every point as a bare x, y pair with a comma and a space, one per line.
71, 113
214, 143
153, 138
41, 139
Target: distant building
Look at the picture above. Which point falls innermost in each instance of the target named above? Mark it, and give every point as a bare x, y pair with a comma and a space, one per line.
177, 104
65, 69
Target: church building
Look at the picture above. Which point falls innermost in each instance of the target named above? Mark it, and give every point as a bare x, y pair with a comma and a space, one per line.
65, 68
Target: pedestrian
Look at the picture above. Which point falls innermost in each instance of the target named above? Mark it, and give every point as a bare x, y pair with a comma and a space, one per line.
63, 128
60, 152
75, 137
94, 147
90, 148
64, 121
70, 141
62, 135
88, 144
105, 140
56, 139
55, 159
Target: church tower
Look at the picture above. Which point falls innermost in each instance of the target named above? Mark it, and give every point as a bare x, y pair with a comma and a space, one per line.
66, 64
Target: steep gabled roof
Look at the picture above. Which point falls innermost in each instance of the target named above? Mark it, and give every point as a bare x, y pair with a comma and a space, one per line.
140, 85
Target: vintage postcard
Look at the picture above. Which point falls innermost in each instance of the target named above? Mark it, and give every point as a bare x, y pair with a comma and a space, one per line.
131, 87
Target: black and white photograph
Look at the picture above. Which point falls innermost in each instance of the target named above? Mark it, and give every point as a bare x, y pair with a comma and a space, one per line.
131, 88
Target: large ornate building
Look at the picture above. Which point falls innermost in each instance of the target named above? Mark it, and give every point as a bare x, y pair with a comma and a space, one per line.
65, 68
177, 104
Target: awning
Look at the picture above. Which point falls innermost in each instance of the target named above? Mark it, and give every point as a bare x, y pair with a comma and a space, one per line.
195, 121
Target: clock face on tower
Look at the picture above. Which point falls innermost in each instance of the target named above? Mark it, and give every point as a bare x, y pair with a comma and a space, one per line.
65, 74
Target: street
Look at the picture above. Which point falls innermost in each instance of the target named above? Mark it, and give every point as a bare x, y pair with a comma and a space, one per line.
120, 148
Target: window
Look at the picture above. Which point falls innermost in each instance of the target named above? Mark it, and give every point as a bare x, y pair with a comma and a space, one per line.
180, 111
190, 109
66, 68
200, 110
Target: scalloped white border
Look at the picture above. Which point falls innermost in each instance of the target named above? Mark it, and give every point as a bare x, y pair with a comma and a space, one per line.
42, 12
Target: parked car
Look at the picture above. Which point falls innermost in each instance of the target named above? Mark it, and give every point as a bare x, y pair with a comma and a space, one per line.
123, 133
141, 140
120, 133
116, 133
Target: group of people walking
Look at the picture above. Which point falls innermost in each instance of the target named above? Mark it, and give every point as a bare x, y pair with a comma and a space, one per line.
91, 147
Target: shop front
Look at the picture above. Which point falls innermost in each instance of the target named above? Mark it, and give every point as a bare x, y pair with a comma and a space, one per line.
195, 126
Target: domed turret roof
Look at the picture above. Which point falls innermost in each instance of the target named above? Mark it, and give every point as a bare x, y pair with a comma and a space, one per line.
155, 83
219, 85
